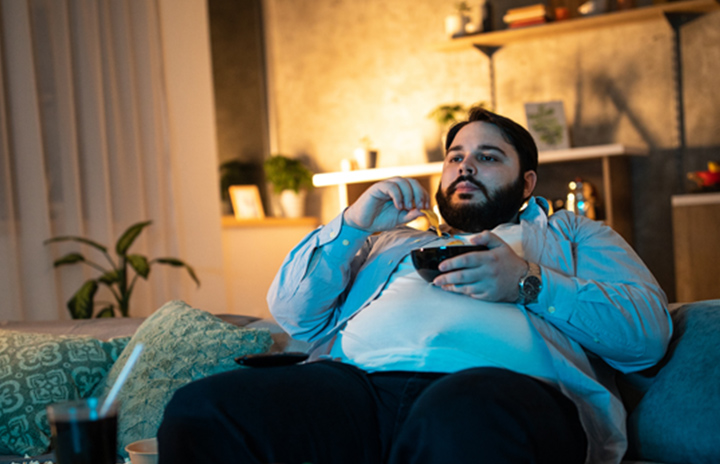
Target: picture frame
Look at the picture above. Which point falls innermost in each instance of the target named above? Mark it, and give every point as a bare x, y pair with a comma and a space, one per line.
246, 202
547, 125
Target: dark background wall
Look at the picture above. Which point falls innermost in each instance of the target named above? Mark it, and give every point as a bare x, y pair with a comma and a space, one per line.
342, 70
238, 64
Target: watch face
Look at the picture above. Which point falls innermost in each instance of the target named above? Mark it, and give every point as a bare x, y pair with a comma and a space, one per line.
531, 288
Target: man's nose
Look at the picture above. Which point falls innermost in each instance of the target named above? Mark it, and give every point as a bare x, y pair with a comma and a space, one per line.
467, 167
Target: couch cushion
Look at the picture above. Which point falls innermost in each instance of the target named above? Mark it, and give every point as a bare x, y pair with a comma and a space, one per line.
40, 369
182, 344
678, 418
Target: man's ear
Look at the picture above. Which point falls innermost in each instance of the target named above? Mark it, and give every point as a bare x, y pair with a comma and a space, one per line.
530, 178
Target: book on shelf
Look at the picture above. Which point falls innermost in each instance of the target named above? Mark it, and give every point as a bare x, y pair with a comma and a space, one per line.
538, 10
528, 22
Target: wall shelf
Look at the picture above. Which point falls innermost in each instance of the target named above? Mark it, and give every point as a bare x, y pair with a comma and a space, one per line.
232, 222
615, 175
508, 36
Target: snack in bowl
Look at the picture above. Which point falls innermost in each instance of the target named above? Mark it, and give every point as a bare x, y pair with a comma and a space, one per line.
433, 220
426, 260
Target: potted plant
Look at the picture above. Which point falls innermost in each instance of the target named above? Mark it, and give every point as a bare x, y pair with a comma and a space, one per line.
116, 278
455, 24
290, 180
445, 115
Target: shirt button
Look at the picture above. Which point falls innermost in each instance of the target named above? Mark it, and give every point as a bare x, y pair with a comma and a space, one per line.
551, 309
333, 234
596, 340
390, 262
346, 242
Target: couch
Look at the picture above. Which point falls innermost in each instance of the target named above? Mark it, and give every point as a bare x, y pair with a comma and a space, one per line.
674, 408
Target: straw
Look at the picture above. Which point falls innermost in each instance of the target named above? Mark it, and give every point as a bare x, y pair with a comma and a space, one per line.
110, 399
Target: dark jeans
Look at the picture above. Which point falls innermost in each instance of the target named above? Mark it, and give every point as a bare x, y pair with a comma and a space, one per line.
329, 412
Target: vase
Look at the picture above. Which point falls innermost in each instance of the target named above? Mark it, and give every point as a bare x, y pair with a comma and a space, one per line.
292, 204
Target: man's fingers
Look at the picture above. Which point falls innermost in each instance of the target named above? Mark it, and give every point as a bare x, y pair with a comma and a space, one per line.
405, 194
488, 239
463, 261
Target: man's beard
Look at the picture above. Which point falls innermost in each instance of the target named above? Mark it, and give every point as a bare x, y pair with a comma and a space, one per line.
498, 208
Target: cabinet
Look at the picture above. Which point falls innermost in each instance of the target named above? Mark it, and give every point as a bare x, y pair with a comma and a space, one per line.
615, 188
696, 221
253, 250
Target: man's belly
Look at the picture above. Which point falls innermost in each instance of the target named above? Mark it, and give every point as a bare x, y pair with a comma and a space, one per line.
415, 326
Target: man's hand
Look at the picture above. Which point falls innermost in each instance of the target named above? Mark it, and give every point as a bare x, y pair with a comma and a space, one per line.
387, 204
491, 275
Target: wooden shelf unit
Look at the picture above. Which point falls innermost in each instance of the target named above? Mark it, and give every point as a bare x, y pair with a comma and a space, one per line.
508, 36
615, 174
696, 221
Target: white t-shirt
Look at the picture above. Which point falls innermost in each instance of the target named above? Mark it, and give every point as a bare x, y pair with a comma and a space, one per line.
416, 326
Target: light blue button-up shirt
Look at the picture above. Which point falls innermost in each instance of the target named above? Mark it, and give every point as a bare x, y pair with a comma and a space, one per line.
600, 307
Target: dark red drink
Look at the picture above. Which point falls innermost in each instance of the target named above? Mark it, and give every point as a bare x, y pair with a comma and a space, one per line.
80, 436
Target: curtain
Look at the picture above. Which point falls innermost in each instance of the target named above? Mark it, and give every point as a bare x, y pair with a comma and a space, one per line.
83, 148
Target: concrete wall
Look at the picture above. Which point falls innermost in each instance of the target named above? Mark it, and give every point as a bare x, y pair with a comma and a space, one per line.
343, 69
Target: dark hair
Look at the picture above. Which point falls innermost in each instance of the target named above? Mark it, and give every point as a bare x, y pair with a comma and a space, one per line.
515, 134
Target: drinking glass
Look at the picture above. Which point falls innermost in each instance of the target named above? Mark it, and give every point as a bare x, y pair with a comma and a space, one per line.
80, 435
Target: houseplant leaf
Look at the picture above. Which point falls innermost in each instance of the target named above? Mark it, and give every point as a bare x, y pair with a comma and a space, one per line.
287, 174
109, 278
70, 258
177, 263
140, 264
129, 236
76, 239
107, 311
81, 304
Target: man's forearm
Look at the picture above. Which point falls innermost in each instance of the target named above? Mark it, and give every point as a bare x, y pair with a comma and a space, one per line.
308, 287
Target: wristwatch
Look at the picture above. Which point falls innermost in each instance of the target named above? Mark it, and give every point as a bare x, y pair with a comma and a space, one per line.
530, 285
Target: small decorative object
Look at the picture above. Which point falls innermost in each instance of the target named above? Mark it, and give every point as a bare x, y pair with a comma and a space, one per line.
365, 156
116, 278
593, 7
290, 180
236, 172
581, 199
246, 202
546, 123
456, 23
562, 13
707, 181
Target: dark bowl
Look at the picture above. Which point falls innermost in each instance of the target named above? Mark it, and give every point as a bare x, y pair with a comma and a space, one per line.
426, 260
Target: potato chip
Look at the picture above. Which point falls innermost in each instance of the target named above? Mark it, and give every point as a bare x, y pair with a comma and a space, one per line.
433, 220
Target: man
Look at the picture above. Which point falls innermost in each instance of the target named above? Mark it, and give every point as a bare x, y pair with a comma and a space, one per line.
507, 357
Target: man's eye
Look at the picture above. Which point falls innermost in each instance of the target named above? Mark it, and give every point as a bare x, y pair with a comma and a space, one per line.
455, 159
484, 157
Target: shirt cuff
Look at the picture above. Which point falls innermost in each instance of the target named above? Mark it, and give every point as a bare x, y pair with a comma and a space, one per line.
337, 234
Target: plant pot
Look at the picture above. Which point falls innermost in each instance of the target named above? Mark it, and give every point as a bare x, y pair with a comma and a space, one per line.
293, 204
455, 25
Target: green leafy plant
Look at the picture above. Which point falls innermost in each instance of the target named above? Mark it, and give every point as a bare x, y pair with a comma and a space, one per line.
462, 8
116, 277
447, 114
287, 174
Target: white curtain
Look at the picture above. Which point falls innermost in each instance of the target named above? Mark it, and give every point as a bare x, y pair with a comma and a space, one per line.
83, 148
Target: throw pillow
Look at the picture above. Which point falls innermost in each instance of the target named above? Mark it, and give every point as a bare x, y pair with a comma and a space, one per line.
39, 369
678, 419
182, 344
